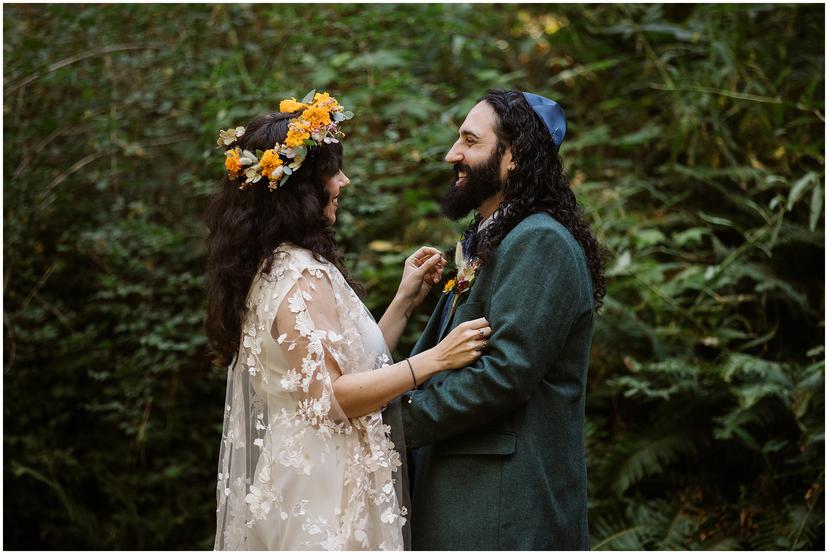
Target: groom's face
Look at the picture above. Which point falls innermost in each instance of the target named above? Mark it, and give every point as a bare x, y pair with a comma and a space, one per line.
480, 166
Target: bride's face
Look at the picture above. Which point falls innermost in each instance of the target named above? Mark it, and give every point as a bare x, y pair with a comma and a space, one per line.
334, 184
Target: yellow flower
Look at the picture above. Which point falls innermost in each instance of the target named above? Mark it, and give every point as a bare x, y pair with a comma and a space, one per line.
232, 163
316, 117
269, 162
296, 135
291, 105
449, 285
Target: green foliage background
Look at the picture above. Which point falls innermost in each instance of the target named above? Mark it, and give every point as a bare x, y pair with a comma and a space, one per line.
695, 143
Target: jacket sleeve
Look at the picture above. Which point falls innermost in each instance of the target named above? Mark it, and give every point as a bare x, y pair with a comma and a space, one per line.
536, 297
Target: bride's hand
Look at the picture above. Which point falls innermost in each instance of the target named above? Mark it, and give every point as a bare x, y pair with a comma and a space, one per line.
464, 344
422, 269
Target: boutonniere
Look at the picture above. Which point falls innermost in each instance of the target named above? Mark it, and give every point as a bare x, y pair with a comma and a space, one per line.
462, 281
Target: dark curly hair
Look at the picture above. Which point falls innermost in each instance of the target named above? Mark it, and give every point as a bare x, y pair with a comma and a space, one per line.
246, 226
537, 184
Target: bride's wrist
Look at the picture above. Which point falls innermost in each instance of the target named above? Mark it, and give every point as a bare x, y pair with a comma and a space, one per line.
427, 364
404, 304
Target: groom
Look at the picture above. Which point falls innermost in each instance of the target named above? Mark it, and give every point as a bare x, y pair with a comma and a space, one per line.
499, 445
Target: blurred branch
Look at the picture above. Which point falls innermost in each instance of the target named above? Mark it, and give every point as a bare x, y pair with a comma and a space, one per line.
77, 58
9, 327
37, 287
741, 96
57, 313
83, 162
70, 129
75, 167
650, 52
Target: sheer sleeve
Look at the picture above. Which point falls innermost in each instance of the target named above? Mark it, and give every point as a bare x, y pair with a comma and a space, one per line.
307, 328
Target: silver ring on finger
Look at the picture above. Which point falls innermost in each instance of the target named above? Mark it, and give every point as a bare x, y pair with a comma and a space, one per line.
482, 334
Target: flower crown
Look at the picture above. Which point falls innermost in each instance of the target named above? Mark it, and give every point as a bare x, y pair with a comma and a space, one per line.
317, 123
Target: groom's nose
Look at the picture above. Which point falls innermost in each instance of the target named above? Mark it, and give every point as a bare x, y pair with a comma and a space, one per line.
454, 155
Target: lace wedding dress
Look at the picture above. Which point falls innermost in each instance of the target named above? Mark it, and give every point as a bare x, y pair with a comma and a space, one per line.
294, 473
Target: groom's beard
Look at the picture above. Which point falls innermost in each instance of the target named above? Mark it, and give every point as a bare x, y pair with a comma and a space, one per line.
482, 182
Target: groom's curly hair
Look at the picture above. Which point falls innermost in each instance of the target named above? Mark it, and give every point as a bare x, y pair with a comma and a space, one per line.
537, 184
246, 226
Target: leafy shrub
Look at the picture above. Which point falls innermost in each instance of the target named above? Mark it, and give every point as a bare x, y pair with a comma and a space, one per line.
695, 143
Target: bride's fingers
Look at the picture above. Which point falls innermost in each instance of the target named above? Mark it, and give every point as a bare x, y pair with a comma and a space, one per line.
428, 265
477, 323
436, 270
423, 254
477, 336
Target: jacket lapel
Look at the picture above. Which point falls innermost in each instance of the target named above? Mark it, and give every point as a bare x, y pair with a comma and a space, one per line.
446, 326
431, 334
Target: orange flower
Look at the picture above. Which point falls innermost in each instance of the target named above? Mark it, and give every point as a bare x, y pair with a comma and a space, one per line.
269, 163
449, 285
232, 164
291, 105
316, 117
295, 136
324, 99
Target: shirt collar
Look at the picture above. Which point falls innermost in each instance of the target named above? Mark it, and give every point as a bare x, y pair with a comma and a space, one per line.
488, 221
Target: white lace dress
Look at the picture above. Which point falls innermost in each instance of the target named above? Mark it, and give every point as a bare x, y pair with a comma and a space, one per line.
294, 473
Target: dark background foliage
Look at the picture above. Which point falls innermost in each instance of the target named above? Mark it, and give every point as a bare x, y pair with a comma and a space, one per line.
695, 144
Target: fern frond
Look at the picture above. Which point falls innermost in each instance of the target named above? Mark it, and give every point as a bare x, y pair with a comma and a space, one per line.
622, 539
646, 456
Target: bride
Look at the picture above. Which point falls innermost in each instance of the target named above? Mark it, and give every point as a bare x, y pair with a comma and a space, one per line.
309, 455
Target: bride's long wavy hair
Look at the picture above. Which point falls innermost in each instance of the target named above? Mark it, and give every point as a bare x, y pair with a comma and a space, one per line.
538, 184
246, 226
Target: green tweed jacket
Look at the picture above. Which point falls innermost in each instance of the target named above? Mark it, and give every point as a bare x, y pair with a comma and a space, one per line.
499, 445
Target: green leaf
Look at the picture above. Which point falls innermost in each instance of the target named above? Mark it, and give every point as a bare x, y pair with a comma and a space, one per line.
621, 264
774, 446
799, 188
747, 438
716, 220
749, 395
323, 75
815, 351
816, 206
648, 456
645, 134
378, 59
691, 236
309, 97
648, 237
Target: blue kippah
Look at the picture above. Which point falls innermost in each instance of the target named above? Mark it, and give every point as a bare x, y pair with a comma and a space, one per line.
551, 114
